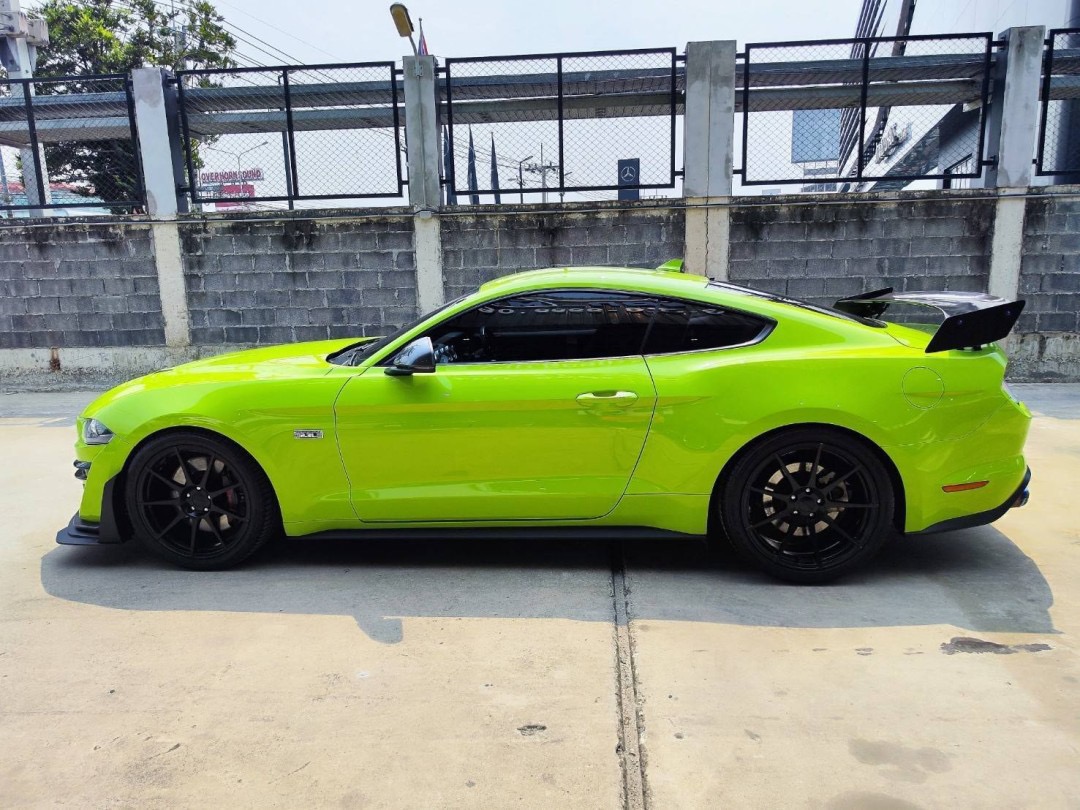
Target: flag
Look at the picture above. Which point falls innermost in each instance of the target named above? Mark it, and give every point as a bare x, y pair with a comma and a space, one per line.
474, 198
448, 162
422, 48
495, 172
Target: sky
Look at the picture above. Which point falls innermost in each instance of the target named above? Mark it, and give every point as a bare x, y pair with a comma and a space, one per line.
361, 30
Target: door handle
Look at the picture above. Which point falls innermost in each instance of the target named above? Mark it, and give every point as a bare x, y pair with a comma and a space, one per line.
607, 398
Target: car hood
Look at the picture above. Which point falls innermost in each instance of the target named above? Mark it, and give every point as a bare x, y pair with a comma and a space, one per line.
289, 356
268, 362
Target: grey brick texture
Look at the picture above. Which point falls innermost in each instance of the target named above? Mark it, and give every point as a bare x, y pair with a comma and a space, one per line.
78, 284
1050, 269
820, 249
480, 247
251, 281
258, 281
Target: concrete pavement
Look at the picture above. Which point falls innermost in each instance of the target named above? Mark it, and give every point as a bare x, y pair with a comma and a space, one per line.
537, 675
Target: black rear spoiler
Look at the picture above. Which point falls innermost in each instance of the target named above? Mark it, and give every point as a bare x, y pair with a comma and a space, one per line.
971, 319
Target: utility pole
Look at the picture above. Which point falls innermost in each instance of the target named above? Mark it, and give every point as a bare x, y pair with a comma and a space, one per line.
19, 41
521, 178
542, 169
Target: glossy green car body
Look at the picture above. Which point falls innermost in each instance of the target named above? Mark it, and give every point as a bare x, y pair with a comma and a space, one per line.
515, 444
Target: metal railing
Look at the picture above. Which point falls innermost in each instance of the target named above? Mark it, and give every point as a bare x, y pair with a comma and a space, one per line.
829, 115
1058, 150
291, 133
561, 122
882, 111
69, 142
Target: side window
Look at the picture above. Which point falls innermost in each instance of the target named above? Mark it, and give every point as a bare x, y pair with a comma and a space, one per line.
552, 325
686, 326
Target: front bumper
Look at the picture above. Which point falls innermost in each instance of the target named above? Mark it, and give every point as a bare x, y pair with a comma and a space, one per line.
1017, 499
80, 532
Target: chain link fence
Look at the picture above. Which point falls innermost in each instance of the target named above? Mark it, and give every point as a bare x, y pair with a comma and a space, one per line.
852, 114
68, 143
256, 137
1059, 115
558, 123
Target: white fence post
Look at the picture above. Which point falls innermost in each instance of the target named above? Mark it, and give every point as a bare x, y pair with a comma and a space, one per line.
155, 152
422, 131
708, 149
1013, 136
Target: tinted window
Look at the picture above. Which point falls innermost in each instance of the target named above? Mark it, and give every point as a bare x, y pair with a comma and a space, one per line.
685, 326
556, 325
847, 316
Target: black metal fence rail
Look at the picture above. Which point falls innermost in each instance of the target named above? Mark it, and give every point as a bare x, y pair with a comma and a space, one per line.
1058, 150
879, 110
561, 122
69, 142
295, 132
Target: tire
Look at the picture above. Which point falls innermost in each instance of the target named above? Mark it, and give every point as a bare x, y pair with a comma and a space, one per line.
807, 505
198, 501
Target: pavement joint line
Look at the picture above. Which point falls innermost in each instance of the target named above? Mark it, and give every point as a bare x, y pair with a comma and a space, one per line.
630, 750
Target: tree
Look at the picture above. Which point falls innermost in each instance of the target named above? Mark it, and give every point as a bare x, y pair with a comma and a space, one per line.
92, 37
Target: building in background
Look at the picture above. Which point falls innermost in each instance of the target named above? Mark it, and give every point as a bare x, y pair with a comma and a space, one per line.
906, 140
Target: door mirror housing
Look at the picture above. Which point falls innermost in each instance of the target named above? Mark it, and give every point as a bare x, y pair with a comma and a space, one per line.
416, 358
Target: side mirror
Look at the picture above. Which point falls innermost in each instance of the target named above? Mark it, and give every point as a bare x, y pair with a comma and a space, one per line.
416, 358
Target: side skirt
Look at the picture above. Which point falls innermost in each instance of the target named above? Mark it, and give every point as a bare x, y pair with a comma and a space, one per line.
508, 533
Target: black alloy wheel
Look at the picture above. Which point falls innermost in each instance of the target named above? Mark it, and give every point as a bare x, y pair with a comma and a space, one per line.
808, 505
199, 501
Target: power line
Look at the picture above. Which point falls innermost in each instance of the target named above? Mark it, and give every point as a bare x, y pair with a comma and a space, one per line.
281, 30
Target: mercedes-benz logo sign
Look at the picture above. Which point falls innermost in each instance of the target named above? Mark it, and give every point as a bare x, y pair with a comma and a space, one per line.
627, 175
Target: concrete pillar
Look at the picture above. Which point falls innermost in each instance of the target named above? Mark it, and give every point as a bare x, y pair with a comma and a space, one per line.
156, 151
155, 142
427, 244
1011, 139
425, 192
708, 150
1014, 119
171, 287
422, 130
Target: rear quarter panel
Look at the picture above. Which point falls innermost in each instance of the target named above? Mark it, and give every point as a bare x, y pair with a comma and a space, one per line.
712, 404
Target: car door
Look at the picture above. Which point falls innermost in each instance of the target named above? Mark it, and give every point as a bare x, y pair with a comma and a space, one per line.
538, 409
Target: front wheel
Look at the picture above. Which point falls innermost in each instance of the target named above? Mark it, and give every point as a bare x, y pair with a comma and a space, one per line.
198, 501
807, 505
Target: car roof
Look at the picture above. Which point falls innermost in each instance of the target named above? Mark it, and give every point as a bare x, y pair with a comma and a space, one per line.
671, 283
628, 278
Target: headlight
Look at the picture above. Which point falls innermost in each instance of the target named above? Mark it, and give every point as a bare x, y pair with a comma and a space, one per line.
94, 432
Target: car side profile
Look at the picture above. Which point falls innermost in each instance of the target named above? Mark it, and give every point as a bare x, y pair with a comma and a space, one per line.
580, 401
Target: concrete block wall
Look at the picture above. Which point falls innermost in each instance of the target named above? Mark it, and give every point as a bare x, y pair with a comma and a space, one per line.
91, 287
253, 281
818, 249
1050, 266
78, 284
480, 246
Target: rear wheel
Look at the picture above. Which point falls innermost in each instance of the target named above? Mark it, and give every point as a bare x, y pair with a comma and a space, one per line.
199, 502
807, 505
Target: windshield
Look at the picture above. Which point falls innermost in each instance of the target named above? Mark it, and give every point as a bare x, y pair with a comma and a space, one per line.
795, 302
358, 352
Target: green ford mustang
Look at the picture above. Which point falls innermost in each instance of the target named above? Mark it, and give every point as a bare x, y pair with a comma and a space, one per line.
585, 401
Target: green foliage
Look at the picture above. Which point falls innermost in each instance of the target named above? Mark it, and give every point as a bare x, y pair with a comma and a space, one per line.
112, 36
107, 36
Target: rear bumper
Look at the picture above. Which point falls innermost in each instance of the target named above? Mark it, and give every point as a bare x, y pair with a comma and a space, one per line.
1017, 499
